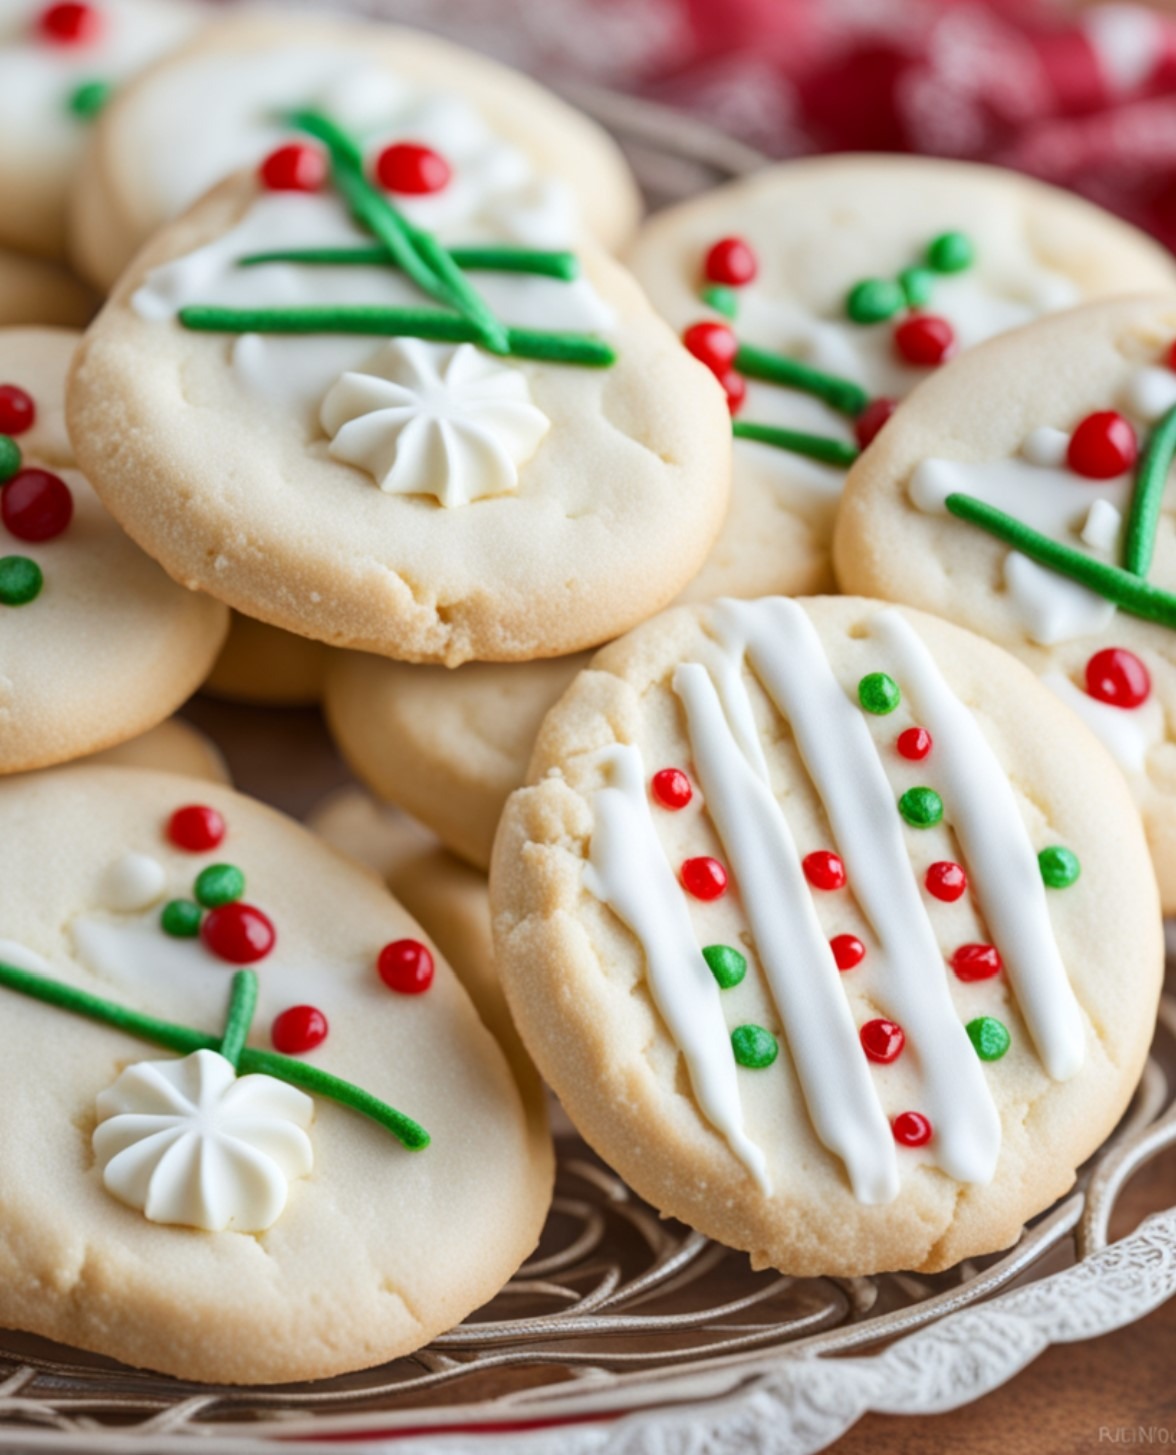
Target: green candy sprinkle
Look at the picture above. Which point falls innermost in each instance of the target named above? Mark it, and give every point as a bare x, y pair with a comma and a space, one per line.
989, 1036
873, 299
722, 299
951, 252
921, 807
89, 99
20, 580
219, 884
1059, 867
180, 918
879, 694
754, 1047
727, 965
10, 457
917, 285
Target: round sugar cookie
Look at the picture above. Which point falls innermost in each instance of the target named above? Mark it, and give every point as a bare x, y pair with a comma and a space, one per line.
261, 664
834, 932
1056, 444
37, 291
98, 644
175, 746
844, 281
519, 157
60, 63
369, 1173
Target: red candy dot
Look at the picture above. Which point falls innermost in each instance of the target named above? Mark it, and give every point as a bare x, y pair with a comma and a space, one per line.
671, 788
882, 1040
976, 962
406, 966
925, 339
17, 410
914, 743
295, 167
946, 881
735, 388
299, 1029
69, 23
412, 169
731, 261
848, 951
911, 1129
704, 877
1103, 445
872, 418
1171, 355
1117, 677
36, 505
238, 933
196, 827
824, 870
712, 344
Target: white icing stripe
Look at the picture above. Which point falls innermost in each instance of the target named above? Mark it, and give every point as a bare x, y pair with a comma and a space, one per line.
1001, 862
628, 871
786, 654
792, 948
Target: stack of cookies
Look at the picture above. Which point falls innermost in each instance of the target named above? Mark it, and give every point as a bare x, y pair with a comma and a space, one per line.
831, 919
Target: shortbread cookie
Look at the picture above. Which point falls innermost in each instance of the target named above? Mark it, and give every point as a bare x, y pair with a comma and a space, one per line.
36, 291
60, 63
515, 156
261, 664
175, 746
833, 930
98, 644
1025, 495
229, 1191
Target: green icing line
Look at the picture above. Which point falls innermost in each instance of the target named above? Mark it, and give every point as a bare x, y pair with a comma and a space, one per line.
21, 581
814, 446
722, 299
10, 457
1128, 591
727, 965
242, 1004
754, 1047
840, 394
1059, 867
1148, 496
564, 266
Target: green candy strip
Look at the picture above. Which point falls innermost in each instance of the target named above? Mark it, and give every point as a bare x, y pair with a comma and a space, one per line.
373, 319
242, 1004
184, 1040
1148, 496
564, 266
841, 394
1129, 592
814, 446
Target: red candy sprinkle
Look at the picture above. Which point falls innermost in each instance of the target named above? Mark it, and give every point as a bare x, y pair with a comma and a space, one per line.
299, 1029
406, 966
976, 962
1171, 356
671, 788
731, 261
911, 1129
925, 339
1103, 445
36, 505
412, 169
196, 827
238, 933
914, 743
882, 1040
872, 418
17, 410
946, 881
295, 167
712, 344
848, 951
824, 870
69, 23
735, 388
704, 877
1117, 677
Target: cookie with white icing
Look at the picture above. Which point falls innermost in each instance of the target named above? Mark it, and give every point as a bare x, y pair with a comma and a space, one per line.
60, 64
515, 156
1024, 494
260, 664
834, 931
254, 1130
175, 746
38, 291
97, 644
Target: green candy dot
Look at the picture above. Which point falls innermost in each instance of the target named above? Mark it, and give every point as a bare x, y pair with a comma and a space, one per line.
873, 299
219, 884
989, 1037
89, 99
20, 580
10, 457
754, 1047
727, 965
921, 807
722, 299
879, 693
951, 252
1059, 867
180, 919
917, 285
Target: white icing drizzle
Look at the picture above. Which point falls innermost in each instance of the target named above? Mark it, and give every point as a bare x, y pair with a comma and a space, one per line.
1150, 393
1001, 862
1052, 608
1050, 498
134, 881
792, 947
1046, 446
1126, 733
628, 871
1103, 526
